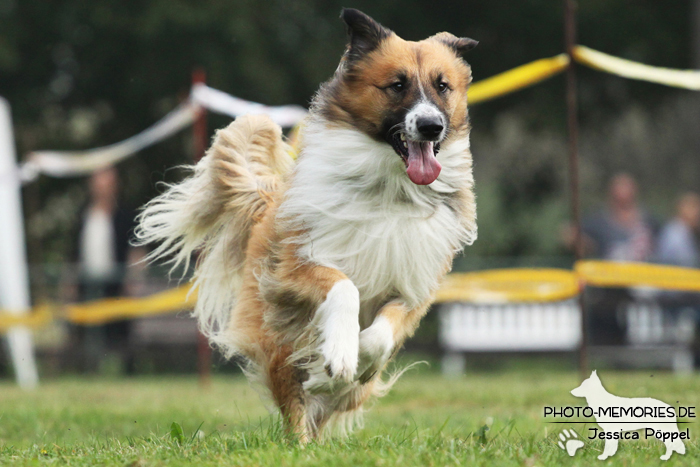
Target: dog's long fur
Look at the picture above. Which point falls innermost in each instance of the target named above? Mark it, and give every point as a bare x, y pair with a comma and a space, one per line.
317, 272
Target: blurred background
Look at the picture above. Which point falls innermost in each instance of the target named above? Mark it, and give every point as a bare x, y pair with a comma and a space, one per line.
82, 74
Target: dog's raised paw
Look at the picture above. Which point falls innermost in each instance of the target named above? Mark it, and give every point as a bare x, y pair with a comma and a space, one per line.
569, 442
337, 320
376, 344
341, 358
331, 369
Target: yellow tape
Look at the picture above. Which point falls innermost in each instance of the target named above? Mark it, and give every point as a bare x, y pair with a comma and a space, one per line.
104, 311
611, 274
509, 285
688, 79
517, 78
111, 309
540, 70
495, 286
39, 317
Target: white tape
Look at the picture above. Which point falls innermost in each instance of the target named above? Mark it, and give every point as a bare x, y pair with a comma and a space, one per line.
220, 102
74, 163
688, 79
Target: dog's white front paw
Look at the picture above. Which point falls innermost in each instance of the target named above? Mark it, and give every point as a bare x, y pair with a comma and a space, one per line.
339, 326
340, 355
376, 344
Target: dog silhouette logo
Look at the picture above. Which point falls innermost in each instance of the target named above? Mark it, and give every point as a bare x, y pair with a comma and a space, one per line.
621, 418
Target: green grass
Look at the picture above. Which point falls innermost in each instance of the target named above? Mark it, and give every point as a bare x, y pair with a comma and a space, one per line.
425, 420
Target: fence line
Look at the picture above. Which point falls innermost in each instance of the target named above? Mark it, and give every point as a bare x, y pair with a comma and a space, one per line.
494, 286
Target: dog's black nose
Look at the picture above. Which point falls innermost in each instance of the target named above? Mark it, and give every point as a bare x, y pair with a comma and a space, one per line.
430, 128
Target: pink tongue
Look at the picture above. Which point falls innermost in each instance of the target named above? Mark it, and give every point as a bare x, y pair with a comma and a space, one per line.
423, 167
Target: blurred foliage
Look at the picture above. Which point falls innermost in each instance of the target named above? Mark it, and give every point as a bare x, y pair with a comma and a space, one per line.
83, 74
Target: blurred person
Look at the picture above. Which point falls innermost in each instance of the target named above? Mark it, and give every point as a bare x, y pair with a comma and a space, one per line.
679, 241
679, 245
102, 253
620, 231
623, 230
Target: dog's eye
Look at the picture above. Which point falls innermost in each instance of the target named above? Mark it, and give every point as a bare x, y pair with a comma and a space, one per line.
442, 87
397, 87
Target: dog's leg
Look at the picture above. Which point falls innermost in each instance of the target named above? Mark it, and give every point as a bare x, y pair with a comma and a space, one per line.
348, 403
392, 325
286, 386
376, 344
325, 306
338, 322
609, 449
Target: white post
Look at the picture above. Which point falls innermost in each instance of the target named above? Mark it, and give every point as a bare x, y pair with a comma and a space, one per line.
14, 278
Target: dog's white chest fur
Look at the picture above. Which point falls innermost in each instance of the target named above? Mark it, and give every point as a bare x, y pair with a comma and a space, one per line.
362, 215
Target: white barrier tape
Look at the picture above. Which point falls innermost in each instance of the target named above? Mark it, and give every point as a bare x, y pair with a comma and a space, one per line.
75, 163
218, 101
688, 79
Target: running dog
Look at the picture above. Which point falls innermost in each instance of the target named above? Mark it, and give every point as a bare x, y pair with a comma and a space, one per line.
316, 271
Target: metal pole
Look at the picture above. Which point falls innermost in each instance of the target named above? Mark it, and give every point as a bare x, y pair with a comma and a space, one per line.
200, 143
572, 130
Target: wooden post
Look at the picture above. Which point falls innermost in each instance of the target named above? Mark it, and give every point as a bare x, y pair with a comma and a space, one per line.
572, 130
200, 143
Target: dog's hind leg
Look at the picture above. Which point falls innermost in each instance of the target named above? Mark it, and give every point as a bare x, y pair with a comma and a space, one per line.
346, 410
285, 382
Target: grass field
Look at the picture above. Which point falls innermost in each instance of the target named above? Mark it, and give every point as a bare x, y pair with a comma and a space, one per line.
425, 420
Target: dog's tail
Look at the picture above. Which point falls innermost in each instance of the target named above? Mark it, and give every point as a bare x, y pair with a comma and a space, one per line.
214, 211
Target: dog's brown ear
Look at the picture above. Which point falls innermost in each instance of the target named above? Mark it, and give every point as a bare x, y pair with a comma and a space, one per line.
365, 33
461, 45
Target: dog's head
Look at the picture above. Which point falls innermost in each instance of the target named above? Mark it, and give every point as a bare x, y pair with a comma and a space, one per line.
409, 95
588, 387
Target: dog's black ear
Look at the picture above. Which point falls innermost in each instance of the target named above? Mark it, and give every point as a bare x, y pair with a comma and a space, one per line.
365, 33
461, 45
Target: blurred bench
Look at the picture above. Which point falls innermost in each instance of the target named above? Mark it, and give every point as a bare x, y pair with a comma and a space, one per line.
653, 337
508, 327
